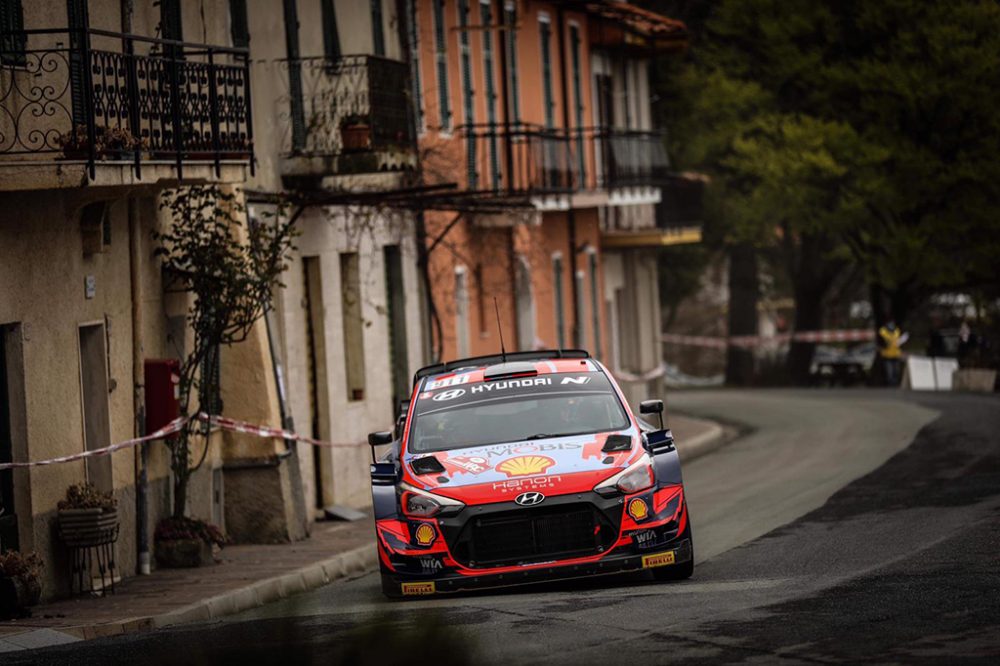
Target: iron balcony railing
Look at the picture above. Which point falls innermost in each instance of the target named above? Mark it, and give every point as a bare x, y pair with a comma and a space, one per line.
629, 158
350, 104
519, 159
530, 159
95, 95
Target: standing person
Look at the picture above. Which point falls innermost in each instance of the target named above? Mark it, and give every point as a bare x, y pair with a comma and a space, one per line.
891, 340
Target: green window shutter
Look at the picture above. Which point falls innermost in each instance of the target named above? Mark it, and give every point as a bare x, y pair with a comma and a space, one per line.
239, 26
510, 13
415, 81
486, 17
331, 37
14, 41
468, 104
441, 57
549, 98
557, 280
378, 33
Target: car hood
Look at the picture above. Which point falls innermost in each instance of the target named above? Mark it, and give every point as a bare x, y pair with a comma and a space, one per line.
557, 465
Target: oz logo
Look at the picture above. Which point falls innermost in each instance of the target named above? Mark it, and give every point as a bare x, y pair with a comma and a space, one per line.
450, 394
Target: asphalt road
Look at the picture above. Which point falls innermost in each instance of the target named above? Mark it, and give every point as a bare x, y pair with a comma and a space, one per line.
845, 526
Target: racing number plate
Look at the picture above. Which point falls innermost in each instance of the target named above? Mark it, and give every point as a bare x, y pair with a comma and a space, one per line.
658, 560
415, 589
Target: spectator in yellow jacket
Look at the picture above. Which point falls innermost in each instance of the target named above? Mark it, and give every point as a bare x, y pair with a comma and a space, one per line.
891, 340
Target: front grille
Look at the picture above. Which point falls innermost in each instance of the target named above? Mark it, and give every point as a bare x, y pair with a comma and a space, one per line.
535, 535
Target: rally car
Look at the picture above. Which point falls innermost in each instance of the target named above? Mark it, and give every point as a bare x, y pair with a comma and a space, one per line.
523, 468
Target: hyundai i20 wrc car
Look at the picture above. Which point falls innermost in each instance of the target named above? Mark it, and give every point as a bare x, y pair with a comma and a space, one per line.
522, 468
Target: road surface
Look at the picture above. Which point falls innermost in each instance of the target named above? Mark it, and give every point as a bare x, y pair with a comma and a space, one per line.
843, 526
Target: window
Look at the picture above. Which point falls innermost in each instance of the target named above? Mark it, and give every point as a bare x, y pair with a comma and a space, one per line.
515, 410
486, 17
209, 383
549, 100
461, 312
579, 332
239, 28
557, 279
574, 40
595, 303
395, 298
413, 30
378, 33
172, 27
441, 61
331, 36
510, 18
525, 305
13, 40
468, 104
354, 325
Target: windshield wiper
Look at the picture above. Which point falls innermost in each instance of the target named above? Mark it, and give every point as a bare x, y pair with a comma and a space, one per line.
541, 435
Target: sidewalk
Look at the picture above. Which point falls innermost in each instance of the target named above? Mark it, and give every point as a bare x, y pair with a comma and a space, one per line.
248, 576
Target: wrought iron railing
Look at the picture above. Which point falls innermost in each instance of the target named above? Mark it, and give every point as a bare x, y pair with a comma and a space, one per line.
95, 95
355, 103
518, 159
629, 158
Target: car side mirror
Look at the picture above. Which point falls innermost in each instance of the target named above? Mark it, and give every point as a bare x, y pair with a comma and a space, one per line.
380, 438
652, 407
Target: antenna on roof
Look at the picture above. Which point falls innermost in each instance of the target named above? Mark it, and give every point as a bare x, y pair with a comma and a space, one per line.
496, 308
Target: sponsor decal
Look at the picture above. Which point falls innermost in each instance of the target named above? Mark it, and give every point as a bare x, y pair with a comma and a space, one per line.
424, 534
471, 464
426, 395
502, 450
431, 564
575, 380
521, 485
658, 560
506, 384
638, 509
450, 394
530, 498
419, 589
644, 539
457, 380
525, 465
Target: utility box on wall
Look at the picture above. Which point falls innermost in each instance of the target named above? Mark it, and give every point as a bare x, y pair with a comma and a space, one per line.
162, 392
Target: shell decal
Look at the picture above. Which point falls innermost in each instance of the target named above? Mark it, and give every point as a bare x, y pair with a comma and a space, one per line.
525, 465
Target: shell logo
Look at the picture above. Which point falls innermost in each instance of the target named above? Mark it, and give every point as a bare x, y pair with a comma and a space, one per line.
638, 509
424, 535
525, 465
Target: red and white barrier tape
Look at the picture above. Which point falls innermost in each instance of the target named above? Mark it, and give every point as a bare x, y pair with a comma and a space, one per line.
175, 426
747, 341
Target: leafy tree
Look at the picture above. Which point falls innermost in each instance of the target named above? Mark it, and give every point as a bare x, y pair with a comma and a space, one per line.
230, 268
842, 132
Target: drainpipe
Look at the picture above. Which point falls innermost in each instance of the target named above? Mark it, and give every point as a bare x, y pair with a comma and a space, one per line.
138, 384
570, 213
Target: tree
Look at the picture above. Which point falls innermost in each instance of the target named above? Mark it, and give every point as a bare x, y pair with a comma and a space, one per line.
230, 269
849, 133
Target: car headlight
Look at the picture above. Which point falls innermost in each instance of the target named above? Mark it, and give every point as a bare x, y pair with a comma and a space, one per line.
637, 476
422, 504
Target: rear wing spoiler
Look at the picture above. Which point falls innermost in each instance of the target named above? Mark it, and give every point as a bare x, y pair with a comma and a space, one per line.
492, 359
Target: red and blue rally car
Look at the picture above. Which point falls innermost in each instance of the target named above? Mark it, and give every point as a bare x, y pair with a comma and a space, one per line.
522, 468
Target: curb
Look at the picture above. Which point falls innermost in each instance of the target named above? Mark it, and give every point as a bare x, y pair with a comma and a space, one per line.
348, 563
703, 443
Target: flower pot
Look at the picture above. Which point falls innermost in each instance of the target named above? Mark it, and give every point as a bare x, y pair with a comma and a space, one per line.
183, 553
356, 137
83, 528
17, 594
979, 380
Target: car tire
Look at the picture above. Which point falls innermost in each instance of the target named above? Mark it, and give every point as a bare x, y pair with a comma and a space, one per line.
681, 571
390, 588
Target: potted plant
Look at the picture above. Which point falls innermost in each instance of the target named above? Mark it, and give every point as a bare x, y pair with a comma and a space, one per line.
20, 582
113, 142
355, 133
186, 542
87, 516
121, 144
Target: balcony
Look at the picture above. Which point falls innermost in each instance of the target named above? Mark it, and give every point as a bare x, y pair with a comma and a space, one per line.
630, 158
345, 116
521, 160
86, 99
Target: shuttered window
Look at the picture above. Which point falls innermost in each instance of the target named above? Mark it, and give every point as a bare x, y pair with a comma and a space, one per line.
441, 61
13, 41
557, 290
331, 37
414, 39
378, 32
595, 305
238, 25
510, 18
574, 40
486, 17
545, 28
468, 104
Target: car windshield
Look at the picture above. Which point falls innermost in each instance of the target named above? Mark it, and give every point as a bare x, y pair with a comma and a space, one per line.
462, 415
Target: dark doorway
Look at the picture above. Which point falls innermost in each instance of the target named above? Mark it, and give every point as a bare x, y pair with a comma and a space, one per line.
395, 298
319, 396
94, 394
8, 517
